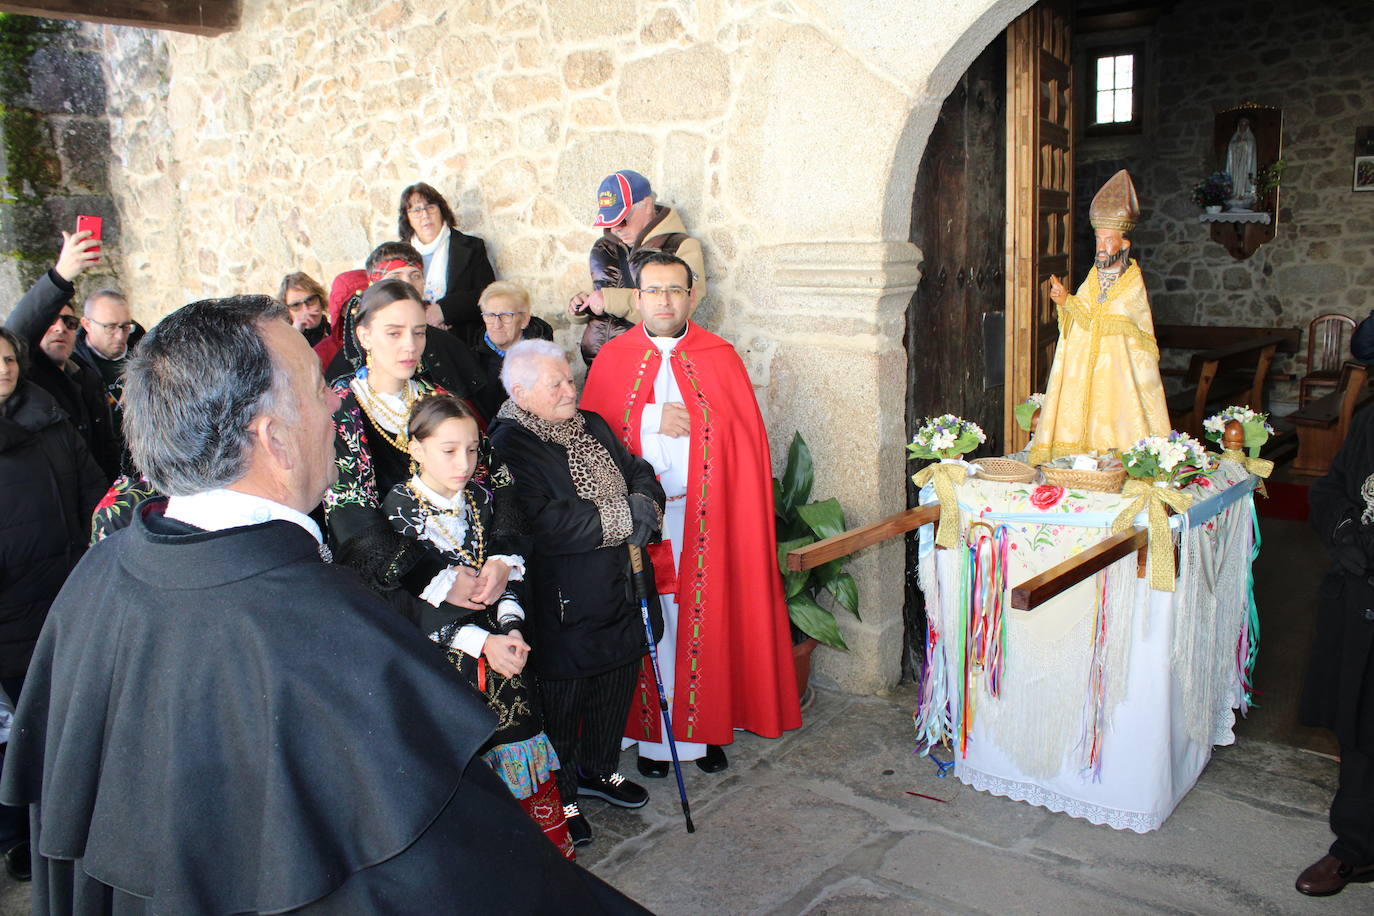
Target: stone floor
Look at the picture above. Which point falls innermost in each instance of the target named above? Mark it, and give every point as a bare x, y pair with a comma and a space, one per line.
819, 822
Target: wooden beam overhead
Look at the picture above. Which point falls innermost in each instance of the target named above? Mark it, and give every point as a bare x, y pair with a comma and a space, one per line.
199, 17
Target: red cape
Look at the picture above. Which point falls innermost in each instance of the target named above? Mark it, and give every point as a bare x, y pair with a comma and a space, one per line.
734, 651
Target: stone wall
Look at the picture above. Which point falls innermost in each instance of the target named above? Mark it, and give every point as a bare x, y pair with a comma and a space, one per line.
1312, 60
787, 131
54, 148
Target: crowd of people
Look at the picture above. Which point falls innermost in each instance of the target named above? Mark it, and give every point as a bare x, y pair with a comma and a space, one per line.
348, 543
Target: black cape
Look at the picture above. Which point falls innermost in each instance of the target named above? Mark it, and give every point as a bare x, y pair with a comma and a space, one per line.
219, 722
1339, 693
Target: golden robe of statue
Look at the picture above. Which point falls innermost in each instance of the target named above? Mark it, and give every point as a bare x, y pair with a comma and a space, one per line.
1105, 391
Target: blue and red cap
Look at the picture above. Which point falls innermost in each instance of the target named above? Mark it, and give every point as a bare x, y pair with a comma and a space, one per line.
617, 194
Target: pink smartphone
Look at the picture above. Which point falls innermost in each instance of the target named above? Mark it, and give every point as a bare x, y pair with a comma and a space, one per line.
93, 223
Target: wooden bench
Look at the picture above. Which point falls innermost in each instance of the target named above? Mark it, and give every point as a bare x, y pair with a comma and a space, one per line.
1323, 424
1234, 373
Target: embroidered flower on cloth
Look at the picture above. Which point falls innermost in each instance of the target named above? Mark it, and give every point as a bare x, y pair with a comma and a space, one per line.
1045, 497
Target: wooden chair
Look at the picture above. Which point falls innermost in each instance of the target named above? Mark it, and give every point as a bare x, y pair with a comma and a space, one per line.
1323, 424
1233, 374
1328, 346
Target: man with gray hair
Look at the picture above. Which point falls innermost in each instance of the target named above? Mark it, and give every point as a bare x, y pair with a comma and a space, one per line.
219, 720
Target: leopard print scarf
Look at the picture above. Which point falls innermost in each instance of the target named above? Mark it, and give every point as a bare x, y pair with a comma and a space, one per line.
595, 476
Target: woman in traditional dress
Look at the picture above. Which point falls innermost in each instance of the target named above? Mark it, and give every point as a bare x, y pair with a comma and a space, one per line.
456, 266
442, 507
372, 453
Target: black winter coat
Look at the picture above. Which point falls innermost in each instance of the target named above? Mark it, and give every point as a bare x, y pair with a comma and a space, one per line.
80, 393
583, 617
1339, 693
469, 272
50, 486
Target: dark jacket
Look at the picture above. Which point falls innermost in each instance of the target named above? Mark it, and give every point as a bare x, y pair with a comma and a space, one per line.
469, 272
583, 616
1362, 340
1339, 692
493, 394
50, 486
79, 392
114, 393
220, 722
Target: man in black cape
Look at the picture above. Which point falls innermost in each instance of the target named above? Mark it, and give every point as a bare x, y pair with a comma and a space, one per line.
1340, 683
218, 720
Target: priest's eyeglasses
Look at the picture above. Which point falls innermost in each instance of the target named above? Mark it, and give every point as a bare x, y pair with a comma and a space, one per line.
672, 292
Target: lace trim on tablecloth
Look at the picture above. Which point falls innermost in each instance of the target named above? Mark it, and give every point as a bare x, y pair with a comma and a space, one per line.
1053, 801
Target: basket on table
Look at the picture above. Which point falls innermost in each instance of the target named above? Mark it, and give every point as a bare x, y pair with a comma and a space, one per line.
1108, 480
1003, 470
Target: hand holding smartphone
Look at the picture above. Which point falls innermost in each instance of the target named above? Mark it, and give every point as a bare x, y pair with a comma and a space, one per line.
93, 224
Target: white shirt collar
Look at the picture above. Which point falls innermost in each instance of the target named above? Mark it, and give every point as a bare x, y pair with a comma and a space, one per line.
429, 493
216, 510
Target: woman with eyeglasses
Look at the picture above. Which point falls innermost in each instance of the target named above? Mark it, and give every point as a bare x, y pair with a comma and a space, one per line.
456, 265
305, 302
50, 486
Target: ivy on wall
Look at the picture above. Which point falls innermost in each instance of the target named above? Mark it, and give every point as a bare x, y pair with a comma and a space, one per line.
32, 167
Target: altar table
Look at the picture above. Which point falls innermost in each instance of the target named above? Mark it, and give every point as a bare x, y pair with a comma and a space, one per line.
1170, 666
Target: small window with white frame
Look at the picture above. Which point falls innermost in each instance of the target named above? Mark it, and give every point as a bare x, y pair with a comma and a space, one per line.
1114, 79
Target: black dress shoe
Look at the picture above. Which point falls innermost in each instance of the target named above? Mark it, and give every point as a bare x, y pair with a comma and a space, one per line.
653, 769
579, 831
615, 789
1329, 875
19, 861
714, 761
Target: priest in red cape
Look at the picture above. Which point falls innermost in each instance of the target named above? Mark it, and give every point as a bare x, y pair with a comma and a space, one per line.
679, 396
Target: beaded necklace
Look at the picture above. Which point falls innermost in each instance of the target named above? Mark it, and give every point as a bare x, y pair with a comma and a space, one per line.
429, 510
383, 416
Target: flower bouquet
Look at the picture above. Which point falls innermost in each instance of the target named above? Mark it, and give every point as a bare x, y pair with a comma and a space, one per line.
1256, 426
1212, 191
944, 439
947, 437
1173, 460
1026, 409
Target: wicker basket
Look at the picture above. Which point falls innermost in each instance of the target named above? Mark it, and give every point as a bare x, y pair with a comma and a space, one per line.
1003, 470
1108, 481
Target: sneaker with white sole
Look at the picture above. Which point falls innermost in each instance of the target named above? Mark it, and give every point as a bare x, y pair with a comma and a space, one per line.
615, 789
579, 831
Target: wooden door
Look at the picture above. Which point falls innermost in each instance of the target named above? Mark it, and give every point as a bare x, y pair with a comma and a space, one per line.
1039, 216
955, 326
956, 323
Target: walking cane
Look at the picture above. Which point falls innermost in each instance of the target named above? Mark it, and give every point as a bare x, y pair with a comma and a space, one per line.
642, 593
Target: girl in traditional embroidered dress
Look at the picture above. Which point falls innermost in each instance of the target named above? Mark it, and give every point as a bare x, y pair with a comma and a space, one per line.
443, 508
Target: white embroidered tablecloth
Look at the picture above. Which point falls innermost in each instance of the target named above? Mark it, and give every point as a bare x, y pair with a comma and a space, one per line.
1172, 673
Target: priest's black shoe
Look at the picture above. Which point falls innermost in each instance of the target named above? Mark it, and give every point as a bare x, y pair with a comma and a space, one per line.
579, 831
653, 769
714, 761
19, 861
1329, 875
615, 789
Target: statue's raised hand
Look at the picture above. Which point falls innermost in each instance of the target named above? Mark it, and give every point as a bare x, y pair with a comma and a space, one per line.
1057, 291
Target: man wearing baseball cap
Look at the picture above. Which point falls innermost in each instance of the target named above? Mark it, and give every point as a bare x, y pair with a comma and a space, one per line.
634, 223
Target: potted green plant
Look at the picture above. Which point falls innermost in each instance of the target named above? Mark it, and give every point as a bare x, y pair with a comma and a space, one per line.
801, 522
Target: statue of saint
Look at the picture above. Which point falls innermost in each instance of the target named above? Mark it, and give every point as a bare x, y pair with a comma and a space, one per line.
1240, 162
1104, 391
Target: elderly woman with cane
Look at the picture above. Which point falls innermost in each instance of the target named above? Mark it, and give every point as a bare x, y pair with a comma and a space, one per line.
585, 497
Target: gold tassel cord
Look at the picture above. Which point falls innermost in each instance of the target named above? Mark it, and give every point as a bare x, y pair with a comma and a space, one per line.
945, 476
1161, 544
1260, 467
